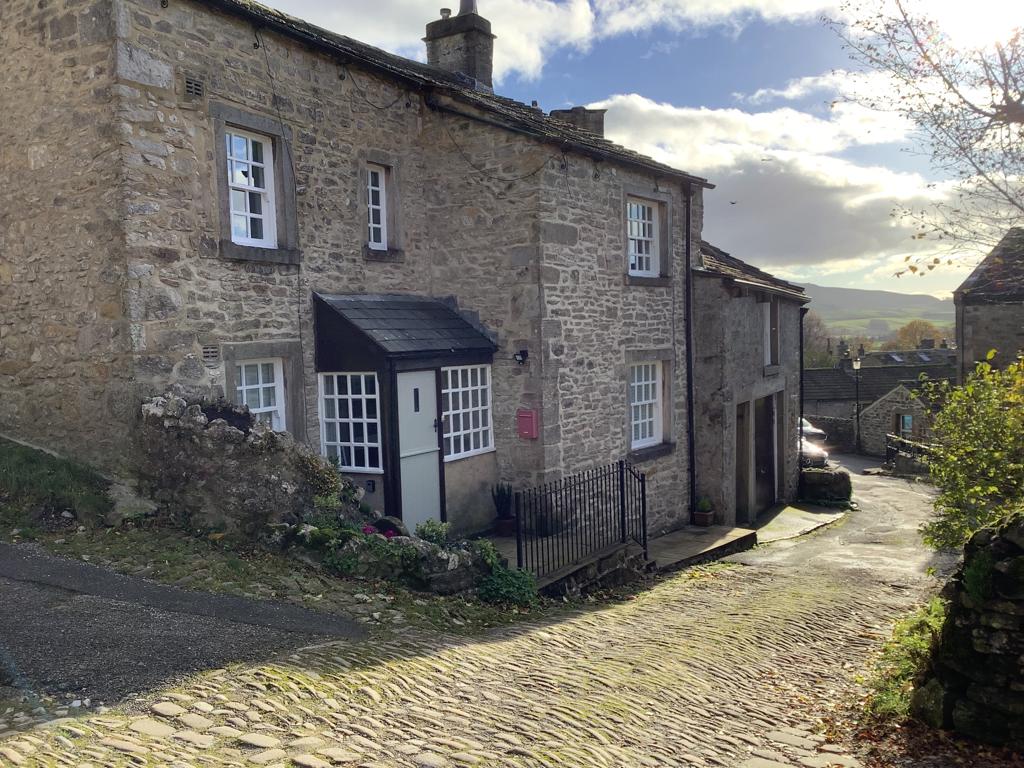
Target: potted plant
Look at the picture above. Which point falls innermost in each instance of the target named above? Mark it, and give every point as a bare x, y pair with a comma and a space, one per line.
503, 497
704, 515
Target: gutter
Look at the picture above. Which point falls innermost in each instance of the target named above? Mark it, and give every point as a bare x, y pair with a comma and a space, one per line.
690, 404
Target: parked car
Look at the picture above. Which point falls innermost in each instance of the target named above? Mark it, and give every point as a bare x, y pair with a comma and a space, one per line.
812, 455
811, 432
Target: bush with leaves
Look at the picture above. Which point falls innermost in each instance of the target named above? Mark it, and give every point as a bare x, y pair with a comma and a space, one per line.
504, 586
977, 459
433, 531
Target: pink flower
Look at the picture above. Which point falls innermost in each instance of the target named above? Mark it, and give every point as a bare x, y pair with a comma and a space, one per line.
389, 535
369, 529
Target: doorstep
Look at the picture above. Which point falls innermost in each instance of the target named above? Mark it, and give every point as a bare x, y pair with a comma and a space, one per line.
698, 544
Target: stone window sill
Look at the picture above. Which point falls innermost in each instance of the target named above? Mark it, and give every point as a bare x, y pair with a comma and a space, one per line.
230, 250
772, 370
648, 282
649, 454
392, 255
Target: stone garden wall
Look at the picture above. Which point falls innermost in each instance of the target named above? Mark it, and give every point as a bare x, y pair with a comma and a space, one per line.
842, 434
976, 685
211, 468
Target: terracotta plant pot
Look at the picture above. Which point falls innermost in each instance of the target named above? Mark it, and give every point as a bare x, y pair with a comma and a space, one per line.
704, 518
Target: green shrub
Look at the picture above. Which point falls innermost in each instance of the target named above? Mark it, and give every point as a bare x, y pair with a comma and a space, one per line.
487, 552
507, 587
341, 563
703, 504
31, 481
977, 457
903, 661
433, 531
977, 576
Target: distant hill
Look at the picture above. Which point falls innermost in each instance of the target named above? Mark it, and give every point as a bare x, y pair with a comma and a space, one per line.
853, 311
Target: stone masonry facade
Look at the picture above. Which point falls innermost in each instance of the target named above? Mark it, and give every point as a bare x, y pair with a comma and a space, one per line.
730, 374
117, 283
880, 419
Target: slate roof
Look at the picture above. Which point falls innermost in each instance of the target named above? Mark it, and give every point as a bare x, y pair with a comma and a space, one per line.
517, 115
1000, 276
837, 384
718, 262
409, 325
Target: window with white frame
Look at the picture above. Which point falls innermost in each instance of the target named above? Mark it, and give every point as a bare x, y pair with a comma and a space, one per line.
642, 231
377, 207
645, 404
466, 405
260, 386
250, 159
350, 420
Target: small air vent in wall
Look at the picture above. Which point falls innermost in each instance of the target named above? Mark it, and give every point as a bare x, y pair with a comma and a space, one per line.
194, 88
211, 355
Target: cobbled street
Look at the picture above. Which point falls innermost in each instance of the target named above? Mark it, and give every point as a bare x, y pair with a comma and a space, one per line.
725, 670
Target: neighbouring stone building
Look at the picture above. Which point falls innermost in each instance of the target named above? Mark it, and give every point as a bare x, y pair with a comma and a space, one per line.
437, 287
747, 377
990, 306
887, 404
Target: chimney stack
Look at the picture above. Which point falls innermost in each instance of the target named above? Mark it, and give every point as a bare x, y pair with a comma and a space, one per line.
462, 44
588, 119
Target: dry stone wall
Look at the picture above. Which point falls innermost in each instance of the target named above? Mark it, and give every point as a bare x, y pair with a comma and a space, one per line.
983, 327
209, 467
976, 684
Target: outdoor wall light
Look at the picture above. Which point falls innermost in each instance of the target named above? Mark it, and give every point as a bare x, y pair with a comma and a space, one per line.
521, 356
856, 363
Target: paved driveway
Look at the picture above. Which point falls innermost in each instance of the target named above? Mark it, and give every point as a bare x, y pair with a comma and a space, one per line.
718, 671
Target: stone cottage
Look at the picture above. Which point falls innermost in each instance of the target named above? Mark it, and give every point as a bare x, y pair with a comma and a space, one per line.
887, 404
747, 377
990, 306
435, 286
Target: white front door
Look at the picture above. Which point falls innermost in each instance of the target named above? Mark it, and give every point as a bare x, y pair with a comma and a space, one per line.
418, 447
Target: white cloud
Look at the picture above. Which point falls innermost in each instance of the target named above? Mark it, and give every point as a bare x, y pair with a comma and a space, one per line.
783, 200
531, 30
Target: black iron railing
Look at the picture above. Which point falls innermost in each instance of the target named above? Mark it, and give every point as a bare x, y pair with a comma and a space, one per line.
894, 445
564, 522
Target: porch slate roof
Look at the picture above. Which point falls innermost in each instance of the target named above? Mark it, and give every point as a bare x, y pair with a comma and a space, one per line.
402, 324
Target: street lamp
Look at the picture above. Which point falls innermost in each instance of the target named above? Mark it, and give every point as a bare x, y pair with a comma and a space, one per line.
856, 383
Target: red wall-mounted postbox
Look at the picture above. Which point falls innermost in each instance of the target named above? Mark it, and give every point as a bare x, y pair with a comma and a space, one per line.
528, 423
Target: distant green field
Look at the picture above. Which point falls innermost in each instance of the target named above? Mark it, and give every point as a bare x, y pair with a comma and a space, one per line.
857, 326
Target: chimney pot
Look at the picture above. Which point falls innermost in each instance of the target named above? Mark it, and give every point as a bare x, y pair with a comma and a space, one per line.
467, 6
446, 13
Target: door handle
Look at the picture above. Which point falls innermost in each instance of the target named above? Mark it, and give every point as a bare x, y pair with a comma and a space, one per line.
435, 425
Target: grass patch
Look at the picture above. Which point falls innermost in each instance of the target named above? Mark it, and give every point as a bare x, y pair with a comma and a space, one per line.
34, 485
903, 659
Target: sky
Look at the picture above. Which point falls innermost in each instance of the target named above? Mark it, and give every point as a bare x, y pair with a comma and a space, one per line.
751, 94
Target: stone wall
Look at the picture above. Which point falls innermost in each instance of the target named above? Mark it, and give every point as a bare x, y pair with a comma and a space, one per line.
596, 323
975, 683
841, 432
837, 409
209, 467
729, 370
878, 420
63, 335
981, 327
